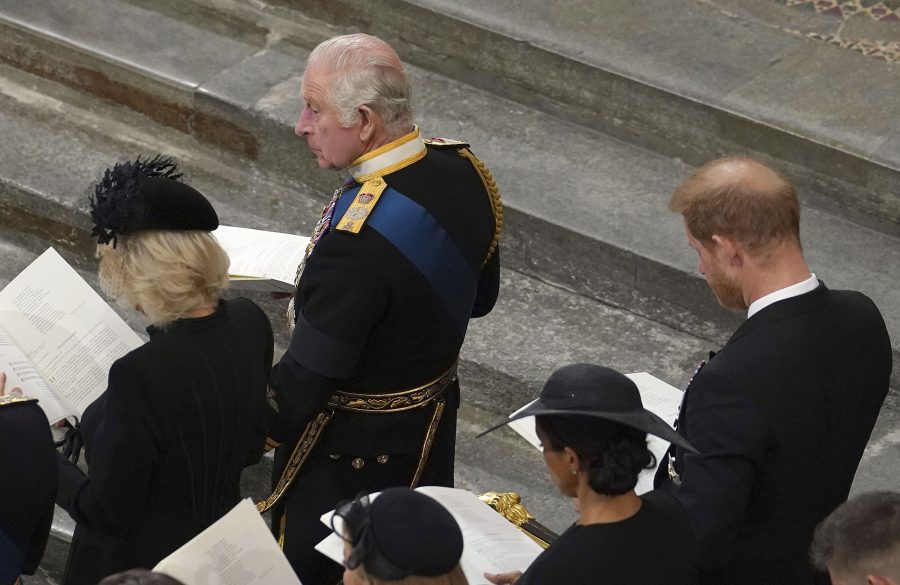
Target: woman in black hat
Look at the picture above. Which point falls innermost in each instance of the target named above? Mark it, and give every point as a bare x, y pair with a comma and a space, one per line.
400, 537
594, 428
183, 414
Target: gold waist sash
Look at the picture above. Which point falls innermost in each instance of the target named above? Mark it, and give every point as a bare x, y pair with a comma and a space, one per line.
354, 402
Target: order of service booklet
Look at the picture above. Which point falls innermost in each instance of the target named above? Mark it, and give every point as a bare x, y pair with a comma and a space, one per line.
260, 260
237, 549
658, 397
58, 338
490, 542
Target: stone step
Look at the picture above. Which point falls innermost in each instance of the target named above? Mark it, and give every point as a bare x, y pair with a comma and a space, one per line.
586, 211
688, 79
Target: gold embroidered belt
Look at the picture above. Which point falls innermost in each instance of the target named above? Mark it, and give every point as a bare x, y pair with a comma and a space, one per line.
389, 403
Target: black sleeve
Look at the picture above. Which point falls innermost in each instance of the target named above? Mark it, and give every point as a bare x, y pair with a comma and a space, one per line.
340, 300
488, 286
258, 328
728, 430
123, 456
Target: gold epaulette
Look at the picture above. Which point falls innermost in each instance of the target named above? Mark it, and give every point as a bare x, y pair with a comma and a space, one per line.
445, 143
363, 204
490, 185
9, 399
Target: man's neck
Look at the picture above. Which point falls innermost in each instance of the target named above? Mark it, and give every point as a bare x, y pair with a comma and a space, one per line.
780, 268
383, 137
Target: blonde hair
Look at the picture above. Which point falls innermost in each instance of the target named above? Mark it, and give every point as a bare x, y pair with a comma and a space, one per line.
164, 274
454, 577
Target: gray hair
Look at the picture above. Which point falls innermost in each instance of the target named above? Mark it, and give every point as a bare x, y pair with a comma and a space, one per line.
861, 537
367, 71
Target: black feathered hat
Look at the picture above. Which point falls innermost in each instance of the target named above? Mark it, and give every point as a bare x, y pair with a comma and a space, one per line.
589, 390
144, 195
398, 534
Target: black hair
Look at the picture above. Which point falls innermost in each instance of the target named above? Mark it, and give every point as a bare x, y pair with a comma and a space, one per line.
612, 454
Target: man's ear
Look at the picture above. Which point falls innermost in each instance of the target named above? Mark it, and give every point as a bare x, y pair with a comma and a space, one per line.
729, 249
369, 123
879, 580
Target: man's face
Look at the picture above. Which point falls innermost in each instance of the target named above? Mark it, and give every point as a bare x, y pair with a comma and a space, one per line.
334, 145
713, 265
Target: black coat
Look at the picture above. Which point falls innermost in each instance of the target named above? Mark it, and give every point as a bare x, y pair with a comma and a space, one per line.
781, 416
166, 443
369, 321
27, 487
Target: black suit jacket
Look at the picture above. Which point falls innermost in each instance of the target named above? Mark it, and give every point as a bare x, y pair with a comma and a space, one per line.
27, 487
781, 416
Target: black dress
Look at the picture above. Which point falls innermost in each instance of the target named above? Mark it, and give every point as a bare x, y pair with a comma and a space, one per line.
653, 547
167, 441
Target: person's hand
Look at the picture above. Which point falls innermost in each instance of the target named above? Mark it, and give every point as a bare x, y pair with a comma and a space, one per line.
280, 295
14, 392
503, 578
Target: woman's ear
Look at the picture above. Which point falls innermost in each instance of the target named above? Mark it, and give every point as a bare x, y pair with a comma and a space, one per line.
572, 460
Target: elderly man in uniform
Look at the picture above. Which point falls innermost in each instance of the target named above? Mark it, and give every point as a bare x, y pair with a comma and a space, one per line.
781, 415
27, 483
403, 255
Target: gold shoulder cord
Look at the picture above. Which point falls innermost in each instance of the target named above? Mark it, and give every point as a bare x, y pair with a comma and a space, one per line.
490, 186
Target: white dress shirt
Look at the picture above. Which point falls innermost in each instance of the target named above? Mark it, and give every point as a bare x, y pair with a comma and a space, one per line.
795, 290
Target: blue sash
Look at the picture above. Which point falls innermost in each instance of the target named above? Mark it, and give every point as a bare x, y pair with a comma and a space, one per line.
419, 237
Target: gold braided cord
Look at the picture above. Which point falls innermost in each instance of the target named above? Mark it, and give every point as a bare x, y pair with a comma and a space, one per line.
490, 186
429, 440
307, 441
393, 402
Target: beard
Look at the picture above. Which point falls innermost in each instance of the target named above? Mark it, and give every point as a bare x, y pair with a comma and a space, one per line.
727, 291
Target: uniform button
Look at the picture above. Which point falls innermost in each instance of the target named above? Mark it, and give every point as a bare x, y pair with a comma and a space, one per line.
357, 463
335, 456
382, 459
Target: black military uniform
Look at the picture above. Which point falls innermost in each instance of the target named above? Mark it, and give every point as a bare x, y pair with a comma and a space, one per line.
27, 486
382, 306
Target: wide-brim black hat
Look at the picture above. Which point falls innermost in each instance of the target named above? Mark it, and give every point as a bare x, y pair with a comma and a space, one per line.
145, 195
589, 390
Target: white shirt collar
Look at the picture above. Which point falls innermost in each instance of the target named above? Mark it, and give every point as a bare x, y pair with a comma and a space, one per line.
391, 157
787, 292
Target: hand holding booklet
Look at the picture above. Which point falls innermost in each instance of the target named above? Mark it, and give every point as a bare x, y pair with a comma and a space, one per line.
658, 397
58, 338
490, 542
237, 549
